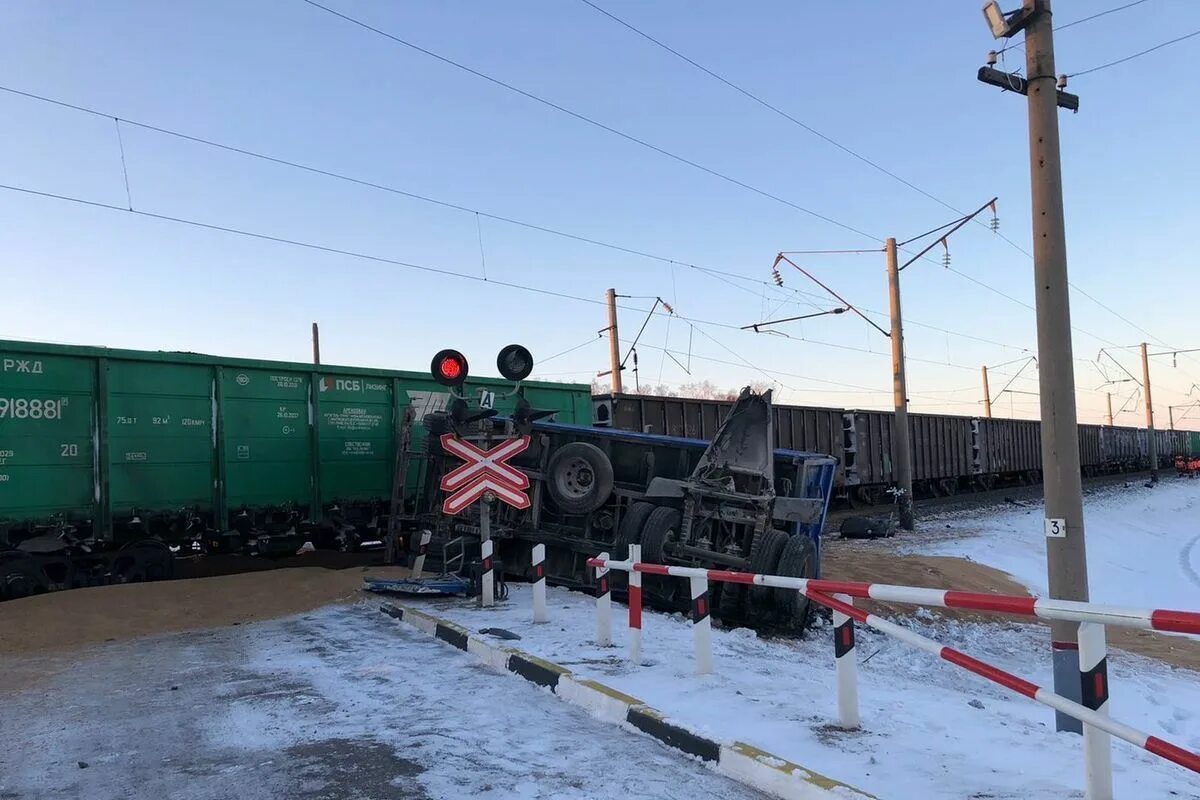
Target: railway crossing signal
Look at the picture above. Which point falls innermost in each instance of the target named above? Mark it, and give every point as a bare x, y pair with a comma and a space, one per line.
481, 463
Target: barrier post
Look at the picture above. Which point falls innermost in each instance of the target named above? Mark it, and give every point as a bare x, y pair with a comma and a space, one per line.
701, 625
1097, 744
487, 596
635, 606
603, 605
539, 583
847, 667
419, 563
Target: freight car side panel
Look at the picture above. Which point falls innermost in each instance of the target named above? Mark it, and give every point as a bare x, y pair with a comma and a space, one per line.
47, 427
160, 436
356, 432
267, 438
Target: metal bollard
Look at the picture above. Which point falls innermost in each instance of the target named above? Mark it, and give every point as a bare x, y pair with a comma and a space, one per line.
701, 625
419, 563
488, 595
603, 605
539, 583
1097, 744
847, 667
635, 605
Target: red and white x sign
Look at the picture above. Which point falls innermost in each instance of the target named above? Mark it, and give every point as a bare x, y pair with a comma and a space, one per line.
485, 471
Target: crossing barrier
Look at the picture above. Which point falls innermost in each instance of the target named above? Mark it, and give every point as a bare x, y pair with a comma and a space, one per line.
838, 596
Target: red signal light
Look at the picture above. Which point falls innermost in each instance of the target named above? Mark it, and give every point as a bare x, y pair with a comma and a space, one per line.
449, 368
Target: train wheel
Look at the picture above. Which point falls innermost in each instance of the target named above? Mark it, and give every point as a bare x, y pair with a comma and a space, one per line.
21, 576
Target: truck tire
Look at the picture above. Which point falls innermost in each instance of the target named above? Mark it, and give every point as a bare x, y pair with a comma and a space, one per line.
579, 478
799, 560
661, 526
628, 532
764, 560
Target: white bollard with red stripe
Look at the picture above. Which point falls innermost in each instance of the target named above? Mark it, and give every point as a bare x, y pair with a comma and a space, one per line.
539, 583
1097, 744
635, 606
847, 667
423, 548
487, 596
603, 605
701, 625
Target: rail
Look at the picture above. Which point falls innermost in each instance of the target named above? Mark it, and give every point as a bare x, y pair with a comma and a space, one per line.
838, 597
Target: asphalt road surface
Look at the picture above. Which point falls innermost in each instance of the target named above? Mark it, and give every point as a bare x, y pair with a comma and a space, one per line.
339, 704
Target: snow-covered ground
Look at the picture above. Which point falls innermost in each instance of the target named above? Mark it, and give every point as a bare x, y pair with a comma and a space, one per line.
339, 704
1143, 545
930, 730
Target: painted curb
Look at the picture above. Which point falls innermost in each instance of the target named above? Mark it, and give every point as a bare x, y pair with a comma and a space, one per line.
739, 761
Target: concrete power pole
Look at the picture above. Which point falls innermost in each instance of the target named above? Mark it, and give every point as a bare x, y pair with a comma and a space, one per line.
987, 395
1171, 416
1152, 443
316, 344
1066, 554
614, 343
1110, 418
902, 466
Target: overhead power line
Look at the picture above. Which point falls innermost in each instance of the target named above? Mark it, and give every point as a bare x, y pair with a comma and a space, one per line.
590, 121
864, 159
328, 173
1065, 26
1135, 55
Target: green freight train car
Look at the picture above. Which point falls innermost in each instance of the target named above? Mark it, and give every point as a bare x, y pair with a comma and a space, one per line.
119, 444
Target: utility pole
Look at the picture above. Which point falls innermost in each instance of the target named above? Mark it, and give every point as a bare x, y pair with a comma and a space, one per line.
902, 466
316, 344
1171, 416
614, 343
1066, 555
1110, 418
987, 395
1152, 443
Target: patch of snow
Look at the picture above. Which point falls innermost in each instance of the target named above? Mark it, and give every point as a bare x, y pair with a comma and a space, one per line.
930, 729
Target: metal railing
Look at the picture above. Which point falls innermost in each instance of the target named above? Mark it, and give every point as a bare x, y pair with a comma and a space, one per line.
838, 596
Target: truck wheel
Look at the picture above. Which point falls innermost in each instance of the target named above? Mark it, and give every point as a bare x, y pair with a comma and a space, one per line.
579, 478
661, 526
628, 532
764, 560
799, 560
21, 577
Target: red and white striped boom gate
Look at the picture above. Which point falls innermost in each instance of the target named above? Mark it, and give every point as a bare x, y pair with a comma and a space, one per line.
838, 596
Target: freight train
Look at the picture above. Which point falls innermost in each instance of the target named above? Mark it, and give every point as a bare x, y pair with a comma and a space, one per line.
114, 462
951, 454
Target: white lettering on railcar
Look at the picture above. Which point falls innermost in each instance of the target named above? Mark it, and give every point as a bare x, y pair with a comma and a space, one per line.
30, 408
286, 381
139, 456
189, 422
23, 365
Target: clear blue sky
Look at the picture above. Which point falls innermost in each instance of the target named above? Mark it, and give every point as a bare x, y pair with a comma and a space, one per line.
894, 82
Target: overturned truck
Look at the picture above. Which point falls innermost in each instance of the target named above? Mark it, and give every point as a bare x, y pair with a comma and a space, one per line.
733, 503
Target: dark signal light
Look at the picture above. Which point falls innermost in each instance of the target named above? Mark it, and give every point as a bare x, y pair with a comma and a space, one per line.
449, 368
515, 362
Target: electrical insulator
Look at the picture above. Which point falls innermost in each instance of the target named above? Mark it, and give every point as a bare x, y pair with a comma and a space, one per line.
991, 58
776, 276
946, 255
995, 223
